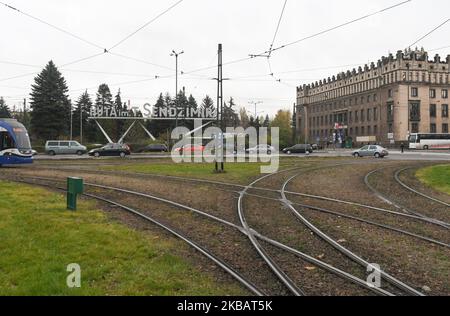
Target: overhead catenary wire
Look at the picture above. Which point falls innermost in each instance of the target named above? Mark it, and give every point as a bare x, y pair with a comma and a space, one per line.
278, 27
146, 24
431, 32
52, 26
337, 27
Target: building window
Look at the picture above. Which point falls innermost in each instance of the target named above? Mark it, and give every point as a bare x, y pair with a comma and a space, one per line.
362, 131
351, 130
432, 110
356, 131
375, 130
445, 128
375, 97
444, 110
432, 93
390, 94
362, 115
415, 127
350, 116
444, 93
369, 115
375, 114
414, 92
433, 128
369, 130
390, 112
356, 117
414, 111
390, 128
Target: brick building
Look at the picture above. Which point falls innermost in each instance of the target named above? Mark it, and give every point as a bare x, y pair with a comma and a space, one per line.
385, 101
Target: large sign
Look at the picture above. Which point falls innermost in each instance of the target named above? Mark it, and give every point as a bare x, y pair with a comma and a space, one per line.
151, 112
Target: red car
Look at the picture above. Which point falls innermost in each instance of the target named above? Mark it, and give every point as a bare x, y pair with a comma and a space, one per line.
191, 149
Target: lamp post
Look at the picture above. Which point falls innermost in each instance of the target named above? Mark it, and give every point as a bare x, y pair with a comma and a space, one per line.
174, 53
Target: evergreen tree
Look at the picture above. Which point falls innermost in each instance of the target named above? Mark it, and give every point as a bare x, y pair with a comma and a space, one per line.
50, 118
104, 102
182, 105
80, 116
119, 124
208, 103
245, 121
266, 121
4, 111
191, 105
231, 118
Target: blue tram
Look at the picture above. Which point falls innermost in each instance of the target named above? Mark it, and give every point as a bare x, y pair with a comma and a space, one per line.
15, 146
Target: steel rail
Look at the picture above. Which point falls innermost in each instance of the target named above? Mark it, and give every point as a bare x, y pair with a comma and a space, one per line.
395, 204
339, 247
397, 178
327, 267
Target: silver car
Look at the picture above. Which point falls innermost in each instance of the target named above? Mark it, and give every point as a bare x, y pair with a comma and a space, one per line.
56, 147
371, 151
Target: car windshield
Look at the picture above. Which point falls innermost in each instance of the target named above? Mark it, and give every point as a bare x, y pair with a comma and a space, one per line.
23, 140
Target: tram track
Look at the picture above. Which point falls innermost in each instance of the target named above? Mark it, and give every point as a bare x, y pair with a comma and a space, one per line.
397, 205
330, 241
339, 273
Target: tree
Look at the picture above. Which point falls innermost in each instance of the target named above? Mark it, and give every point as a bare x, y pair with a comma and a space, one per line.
266, 121
191, 105
208, 103
245, 121
119, 124
81, 113
50, 116
4, 111
283, 121
231, 118
104, 102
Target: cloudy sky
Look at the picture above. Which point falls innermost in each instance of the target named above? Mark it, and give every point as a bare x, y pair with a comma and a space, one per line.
196, 26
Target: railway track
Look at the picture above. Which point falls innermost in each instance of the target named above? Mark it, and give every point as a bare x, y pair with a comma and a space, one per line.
390, 279
397, 178
402, 208
248, 284
235, 188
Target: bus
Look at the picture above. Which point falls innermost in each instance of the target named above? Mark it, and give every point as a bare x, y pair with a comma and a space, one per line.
15, 147
429, 141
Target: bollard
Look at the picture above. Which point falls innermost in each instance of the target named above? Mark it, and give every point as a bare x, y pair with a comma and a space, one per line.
74, 187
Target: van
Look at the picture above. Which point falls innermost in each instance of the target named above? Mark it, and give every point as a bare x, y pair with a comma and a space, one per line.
55, 147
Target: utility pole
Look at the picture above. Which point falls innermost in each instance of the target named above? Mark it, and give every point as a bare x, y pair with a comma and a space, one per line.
81, 123
255, 103
176, 83
219, 107
71, 122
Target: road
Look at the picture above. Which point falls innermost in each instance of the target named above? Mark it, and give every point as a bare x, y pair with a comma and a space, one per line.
393, 155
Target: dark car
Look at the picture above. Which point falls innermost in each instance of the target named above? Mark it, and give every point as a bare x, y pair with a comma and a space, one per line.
299, 149
154, 148
120, 150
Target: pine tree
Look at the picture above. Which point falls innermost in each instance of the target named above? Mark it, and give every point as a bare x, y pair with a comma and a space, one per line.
157, 127
4, 111
231, 118
266, 121
191, 105
104, 102
182, 105
83, 107
208, 103
119, 124
245, 121
50, 118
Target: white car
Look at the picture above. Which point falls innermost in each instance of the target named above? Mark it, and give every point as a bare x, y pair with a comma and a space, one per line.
261, 149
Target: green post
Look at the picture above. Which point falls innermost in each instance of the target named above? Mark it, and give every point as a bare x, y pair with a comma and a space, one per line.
74, 187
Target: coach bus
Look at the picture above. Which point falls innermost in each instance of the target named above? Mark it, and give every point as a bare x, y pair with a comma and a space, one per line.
429, 141
15, 147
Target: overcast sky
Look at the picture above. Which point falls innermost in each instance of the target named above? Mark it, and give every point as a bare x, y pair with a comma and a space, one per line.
196, 26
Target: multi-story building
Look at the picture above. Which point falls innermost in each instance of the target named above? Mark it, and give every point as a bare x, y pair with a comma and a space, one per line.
383, 102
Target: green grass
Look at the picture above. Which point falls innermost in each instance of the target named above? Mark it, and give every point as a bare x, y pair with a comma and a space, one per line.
234, 172
437, 177
39, 238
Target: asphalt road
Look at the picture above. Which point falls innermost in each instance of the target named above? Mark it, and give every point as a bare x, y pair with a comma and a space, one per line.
393, 155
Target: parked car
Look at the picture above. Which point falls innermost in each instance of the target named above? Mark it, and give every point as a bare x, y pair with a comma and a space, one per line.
121, 150
190, 149
261, 149
371, 151
55, 147
299, 149
154, 148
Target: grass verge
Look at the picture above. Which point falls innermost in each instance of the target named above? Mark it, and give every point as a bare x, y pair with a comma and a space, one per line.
39, 238
437, 177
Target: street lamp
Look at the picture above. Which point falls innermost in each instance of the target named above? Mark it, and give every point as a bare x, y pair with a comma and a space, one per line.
174, 53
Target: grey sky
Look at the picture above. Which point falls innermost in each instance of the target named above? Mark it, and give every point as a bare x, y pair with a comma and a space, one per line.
196, 26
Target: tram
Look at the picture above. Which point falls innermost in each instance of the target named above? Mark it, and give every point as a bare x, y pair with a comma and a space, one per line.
15, 146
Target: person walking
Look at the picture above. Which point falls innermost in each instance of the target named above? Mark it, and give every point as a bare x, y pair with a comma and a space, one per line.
402, 146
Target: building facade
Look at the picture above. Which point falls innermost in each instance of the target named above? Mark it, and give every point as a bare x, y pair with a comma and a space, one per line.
381, 103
